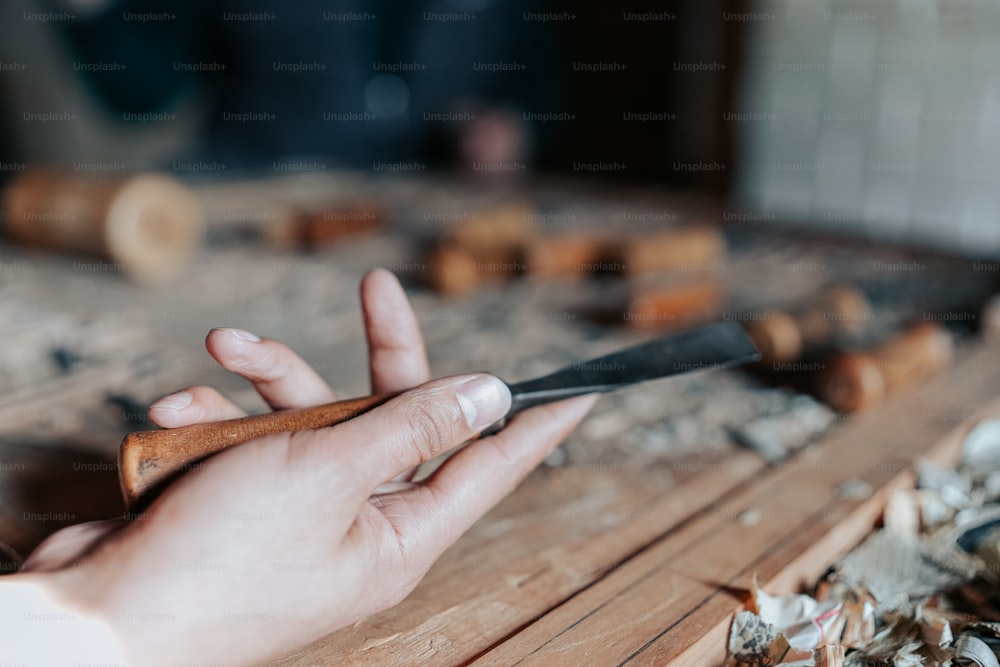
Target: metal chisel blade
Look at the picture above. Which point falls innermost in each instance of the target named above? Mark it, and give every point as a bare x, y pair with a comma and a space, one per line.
720, 345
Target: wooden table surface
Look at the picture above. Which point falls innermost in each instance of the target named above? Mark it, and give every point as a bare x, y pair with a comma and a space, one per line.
616, 556
612, 567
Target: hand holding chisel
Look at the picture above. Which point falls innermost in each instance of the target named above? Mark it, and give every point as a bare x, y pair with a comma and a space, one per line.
325, 521
313, 530
148, 458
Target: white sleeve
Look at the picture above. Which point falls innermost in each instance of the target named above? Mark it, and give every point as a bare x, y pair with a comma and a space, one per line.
36, 631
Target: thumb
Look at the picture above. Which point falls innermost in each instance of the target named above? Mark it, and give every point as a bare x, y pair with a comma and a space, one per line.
411, 428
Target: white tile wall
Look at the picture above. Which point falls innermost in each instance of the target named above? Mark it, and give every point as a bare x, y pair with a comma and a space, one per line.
884, 119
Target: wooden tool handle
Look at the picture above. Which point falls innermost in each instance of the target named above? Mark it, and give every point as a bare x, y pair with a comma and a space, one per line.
573, 254
676, 306
855, 381
833, 313
696, 248
147, 458
453, 270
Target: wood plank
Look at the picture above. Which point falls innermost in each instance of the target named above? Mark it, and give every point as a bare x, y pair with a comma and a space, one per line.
673, 602
74, 405
559, 533
804, 558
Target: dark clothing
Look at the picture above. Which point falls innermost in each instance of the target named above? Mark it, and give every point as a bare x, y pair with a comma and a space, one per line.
296, 78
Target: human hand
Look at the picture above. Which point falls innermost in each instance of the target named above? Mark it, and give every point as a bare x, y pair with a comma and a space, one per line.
270, 545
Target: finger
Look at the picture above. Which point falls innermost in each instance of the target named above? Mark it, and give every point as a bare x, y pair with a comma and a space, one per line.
396, 355
193, 406
279, 375
429, 518
411, 428
69, 544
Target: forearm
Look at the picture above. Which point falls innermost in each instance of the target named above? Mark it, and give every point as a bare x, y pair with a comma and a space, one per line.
39, 626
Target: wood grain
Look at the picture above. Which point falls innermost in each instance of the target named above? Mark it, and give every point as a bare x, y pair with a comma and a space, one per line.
559, 533
673, 603
148, 458
608, 567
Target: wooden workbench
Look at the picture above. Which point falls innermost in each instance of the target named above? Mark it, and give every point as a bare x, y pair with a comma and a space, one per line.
600, 560
610, 567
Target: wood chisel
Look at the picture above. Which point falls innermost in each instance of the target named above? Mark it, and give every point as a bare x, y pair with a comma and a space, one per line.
148, 459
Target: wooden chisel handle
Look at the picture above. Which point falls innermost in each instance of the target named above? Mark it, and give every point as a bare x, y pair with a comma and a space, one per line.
859, 380
147, 458
835, 312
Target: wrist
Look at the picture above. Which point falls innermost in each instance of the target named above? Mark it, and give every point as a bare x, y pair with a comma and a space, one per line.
40, 624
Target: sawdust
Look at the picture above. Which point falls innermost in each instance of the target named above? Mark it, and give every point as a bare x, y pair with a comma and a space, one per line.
921, 591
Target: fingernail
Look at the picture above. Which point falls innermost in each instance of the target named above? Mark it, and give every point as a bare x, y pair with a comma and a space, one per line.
177, 401
240, 334
484, 400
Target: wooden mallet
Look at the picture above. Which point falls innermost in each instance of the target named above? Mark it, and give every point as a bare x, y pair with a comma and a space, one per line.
147, 224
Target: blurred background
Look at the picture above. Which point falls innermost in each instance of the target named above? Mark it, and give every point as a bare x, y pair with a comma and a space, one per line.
352, 82
869, 118
550, 181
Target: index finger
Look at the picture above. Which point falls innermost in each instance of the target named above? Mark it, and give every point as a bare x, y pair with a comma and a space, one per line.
280, 376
